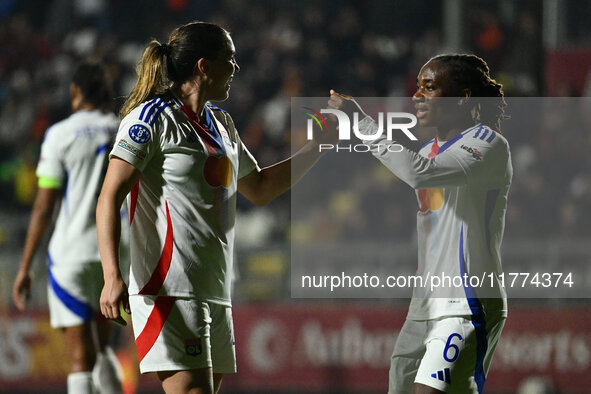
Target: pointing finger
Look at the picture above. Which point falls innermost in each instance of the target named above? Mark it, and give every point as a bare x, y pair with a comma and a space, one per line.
334, 93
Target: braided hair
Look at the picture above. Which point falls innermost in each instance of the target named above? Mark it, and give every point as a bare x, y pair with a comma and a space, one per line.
472, 72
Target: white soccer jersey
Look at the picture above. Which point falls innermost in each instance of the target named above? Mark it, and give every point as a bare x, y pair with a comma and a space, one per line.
461, 187
74, 154
182, 209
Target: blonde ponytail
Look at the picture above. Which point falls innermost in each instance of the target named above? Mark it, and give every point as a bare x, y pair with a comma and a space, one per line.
152, 79
162, 66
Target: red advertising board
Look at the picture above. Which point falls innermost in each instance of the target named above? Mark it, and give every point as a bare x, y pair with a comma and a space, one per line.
543, 342
567, 72
316, 347
348, 347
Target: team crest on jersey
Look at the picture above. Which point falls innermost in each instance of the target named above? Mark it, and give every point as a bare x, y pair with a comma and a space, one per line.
139, 133
226, 138
227, 141
193, 347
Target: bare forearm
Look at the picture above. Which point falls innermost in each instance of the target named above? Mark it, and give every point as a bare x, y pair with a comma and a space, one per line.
40, 220
118, 182
108, 224
280, 177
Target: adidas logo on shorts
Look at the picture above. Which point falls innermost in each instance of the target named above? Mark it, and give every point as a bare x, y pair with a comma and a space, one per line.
444, 375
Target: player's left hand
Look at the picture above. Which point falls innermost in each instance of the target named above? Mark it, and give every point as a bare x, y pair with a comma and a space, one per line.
21, 290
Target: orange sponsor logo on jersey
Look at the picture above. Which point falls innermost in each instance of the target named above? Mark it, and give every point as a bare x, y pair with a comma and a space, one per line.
430, 199
218, 171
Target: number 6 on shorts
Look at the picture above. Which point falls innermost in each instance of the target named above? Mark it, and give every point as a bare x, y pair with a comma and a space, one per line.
449, 346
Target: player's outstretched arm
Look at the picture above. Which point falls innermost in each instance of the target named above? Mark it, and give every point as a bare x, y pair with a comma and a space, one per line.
40, 220
262, 186
449, 169
120, 178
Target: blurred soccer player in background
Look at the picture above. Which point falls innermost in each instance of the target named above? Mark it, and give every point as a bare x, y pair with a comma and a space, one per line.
183, 162
462, 178
70, 171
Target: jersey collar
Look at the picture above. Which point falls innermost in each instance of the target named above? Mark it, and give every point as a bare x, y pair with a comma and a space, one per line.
454, 139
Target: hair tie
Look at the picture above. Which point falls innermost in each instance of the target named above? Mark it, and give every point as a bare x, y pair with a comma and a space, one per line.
165, 49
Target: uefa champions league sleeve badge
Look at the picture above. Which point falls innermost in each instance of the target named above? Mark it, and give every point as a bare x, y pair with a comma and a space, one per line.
139, 133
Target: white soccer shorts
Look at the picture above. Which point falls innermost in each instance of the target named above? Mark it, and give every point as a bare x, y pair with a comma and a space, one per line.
174, 334
73, 293
451, 354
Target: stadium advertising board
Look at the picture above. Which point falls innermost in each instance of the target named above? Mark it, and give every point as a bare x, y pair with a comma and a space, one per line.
315, 348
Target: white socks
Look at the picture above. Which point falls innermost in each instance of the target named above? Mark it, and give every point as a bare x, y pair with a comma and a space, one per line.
105, 377
80, 383
107, 374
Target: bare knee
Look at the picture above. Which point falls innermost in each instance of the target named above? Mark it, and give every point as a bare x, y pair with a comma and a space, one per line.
80, 347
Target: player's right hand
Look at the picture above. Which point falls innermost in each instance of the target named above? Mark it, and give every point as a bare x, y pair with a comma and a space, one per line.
113, 296
21, 290
345, 103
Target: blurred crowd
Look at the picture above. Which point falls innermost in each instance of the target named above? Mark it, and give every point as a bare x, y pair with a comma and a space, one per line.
293, 49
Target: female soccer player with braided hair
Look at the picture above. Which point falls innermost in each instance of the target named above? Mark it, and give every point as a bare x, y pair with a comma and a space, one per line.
462, 179
184, 163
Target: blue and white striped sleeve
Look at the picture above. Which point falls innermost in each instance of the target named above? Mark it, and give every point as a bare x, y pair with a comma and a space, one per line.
136, 138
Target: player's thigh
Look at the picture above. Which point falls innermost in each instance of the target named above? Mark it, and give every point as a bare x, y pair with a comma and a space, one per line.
406, 357
223, 349
195, 381
171, 334
458, 354
73, 293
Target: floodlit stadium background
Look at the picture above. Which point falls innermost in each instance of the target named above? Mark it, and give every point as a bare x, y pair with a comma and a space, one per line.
289, 49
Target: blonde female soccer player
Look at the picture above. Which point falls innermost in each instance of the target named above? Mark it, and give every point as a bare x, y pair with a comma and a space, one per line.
183, 163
